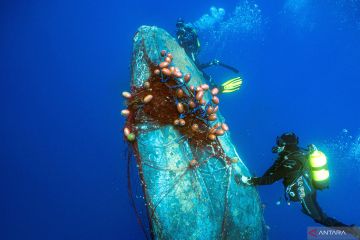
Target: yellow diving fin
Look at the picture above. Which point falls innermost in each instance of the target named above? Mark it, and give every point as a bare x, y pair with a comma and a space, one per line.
231, 85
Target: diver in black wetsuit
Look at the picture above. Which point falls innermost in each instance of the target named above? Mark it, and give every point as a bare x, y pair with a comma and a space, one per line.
188, 39
292, 166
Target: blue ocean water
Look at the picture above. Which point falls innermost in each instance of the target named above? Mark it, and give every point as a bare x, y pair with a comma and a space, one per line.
64, 64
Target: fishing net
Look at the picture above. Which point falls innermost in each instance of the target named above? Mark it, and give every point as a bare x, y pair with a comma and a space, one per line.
184, 157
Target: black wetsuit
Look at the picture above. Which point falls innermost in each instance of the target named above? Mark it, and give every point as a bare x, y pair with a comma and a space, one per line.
291, 166
188, 39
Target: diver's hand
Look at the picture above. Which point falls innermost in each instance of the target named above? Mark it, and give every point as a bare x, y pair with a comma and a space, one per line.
242, 179
246, 180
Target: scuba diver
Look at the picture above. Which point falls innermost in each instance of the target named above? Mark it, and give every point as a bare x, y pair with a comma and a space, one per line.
303, 172
188, 39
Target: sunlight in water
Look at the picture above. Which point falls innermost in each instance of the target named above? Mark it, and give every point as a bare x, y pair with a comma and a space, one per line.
305, 13
295, 6
346, 147
218, 27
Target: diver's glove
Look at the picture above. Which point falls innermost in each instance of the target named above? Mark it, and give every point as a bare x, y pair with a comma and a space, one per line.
243, 180
246, 180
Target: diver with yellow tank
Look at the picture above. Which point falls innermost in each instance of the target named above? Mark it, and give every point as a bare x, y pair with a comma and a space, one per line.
188, 39
303, 172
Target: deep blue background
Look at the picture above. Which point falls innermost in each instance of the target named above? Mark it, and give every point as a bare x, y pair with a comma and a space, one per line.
64, 64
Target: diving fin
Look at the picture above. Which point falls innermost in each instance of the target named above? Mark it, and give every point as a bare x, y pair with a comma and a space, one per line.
231, 85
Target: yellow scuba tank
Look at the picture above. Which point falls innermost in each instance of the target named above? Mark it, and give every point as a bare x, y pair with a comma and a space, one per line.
319, 170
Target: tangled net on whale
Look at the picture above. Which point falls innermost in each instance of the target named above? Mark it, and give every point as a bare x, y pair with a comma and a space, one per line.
166, 98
